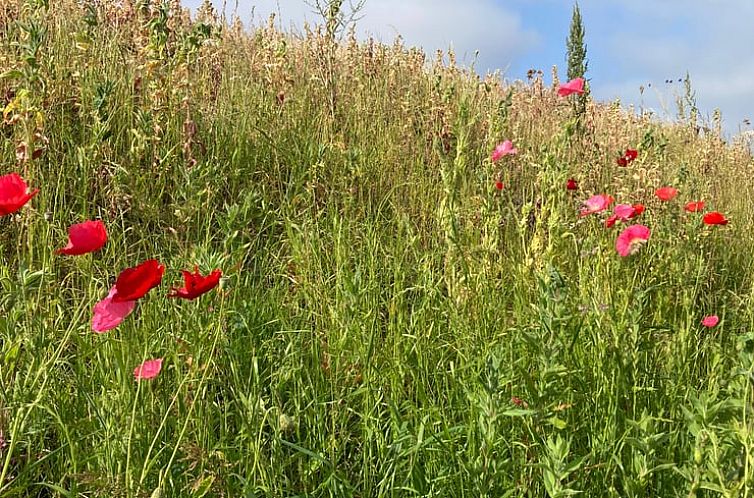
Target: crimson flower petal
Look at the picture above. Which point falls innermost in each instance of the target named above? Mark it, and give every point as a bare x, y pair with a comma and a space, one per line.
715, 218
710, 321
14, 193
666, 193
83, 238
133, 283
195, 284
571, 184
694, 207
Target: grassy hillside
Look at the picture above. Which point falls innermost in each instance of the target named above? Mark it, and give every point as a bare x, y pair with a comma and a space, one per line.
389, 322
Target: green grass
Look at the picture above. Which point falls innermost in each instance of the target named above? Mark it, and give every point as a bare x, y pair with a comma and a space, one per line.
389, 324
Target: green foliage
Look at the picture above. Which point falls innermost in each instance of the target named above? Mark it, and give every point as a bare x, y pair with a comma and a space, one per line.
576, 57
389, 323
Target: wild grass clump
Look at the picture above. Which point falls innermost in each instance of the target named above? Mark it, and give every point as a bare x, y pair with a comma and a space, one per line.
399, 314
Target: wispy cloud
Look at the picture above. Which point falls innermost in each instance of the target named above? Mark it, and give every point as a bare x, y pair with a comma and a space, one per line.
484, 26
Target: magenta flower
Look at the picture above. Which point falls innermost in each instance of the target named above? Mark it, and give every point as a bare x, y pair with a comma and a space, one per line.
574, 86
624, 211
148, 370
596, 203
107, 315
710, 321
504, 149
631, 239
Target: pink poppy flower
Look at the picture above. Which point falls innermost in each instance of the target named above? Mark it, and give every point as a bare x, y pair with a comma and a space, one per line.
710, 321
624, 211
148, 370
576, 85
107, 315
504, 149
666, 193
715, 218
596, 203
631, 239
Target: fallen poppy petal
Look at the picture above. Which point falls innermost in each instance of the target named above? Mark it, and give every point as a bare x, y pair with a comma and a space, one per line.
14, 193
83, 238
148, 370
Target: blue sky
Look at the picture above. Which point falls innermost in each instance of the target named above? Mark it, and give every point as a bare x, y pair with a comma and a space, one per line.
630, 43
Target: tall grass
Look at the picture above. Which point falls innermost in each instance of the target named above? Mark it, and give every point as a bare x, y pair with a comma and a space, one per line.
390, 324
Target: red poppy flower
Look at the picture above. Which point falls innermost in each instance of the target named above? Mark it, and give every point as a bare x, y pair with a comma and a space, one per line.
610, 222
85, 237
715, 218
499, 185
694, 207
195, 284
135, 282
638, 209
628, 157
666, 193
14, 193
572, 184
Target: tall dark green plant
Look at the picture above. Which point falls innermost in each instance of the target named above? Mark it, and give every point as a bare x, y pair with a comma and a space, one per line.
576, 57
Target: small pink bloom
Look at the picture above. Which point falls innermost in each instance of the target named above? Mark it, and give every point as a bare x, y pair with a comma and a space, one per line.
631, 239
504, 149
710, 321
624, 211
148, 370
574, 86
596, 203
107, 315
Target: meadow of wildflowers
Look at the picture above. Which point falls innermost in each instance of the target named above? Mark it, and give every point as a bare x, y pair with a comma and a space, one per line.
253, 263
